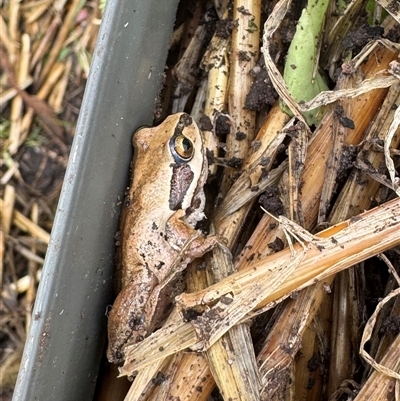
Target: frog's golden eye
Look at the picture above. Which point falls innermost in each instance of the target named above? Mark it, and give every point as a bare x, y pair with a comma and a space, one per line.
181, 148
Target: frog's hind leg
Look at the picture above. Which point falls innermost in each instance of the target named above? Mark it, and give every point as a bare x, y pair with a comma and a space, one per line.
127, 321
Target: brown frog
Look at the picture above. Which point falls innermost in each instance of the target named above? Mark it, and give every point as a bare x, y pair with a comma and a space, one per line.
158, 239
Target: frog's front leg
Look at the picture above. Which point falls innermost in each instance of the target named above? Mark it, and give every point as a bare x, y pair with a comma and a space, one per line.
190, 243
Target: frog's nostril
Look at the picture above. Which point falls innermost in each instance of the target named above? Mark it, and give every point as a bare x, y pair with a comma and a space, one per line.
185, 119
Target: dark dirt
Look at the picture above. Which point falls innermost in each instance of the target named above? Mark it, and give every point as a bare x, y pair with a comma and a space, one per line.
271, 201
357, 39
262, 92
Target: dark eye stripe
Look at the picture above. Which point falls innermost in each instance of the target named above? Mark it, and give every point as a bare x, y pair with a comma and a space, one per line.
182, 178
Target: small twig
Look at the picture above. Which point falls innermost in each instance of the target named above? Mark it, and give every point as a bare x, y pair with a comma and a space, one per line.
391, 372
391, 268
59, 42
25, 224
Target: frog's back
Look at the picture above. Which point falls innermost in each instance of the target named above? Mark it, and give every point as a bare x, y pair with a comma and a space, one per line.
143, 237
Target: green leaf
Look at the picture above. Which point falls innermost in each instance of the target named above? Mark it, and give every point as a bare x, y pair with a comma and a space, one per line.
302, 57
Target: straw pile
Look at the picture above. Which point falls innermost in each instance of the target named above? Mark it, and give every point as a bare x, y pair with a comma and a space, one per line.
288, 318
